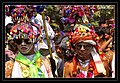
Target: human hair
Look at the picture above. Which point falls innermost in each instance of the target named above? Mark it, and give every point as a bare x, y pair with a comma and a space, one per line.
102, 22
99, 31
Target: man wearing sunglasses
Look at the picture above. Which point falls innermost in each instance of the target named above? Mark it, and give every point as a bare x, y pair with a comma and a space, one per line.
88, 61
29, 63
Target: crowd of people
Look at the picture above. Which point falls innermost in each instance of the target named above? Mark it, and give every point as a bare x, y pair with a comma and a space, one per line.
34, 49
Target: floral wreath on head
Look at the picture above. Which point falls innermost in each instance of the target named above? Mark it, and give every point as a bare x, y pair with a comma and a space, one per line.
23, 25
19, 13
25, 30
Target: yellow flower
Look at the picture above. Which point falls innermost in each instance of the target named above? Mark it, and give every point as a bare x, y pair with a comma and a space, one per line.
38, 62
25, 70
91, 68
97, 38
15, 31
104, 58
83, 30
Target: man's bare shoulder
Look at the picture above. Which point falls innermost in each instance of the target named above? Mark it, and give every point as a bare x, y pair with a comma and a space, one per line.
68, 63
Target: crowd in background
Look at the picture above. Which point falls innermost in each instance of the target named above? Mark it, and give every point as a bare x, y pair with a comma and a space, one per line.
74, 19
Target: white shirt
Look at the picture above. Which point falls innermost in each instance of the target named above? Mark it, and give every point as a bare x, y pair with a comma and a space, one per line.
37, 19
17, 72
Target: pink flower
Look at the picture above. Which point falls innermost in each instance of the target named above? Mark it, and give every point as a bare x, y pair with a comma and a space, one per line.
81, 13
80, 75
89, 75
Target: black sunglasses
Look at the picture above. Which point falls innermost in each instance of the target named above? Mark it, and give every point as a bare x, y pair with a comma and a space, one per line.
19, 41
86, 46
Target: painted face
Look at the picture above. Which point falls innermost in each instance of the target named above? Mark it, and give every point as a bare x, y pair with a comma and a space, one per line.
83, 50
25, 46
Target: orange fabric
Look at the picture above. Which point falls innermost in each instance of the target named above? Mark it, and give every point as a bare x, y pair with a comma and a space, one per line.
74, 65
77, 37
8, 68
94, 67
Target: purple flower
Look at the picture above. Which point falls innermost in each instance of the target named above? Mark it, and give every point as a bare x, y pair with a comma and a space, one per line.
68, 11
64, 20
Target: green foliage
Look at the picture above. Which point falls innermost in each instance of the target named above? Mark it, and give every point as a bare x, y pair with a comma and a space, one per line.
54, 13
95, 23
105, 11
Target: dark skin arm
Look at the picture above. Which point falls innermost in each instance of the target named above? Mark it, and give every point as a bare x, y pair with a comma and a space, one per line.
104, 44
68, 67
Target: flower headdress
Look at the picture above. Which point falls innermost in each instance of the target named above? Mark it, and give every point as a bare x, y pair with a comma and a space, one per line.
19, 14
85, 34
25, 30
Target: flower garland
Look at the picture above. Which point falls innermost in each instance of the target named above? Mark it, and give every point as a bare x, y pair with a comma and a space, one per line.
81, 75
91, 69
101, 53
